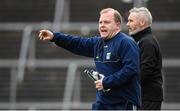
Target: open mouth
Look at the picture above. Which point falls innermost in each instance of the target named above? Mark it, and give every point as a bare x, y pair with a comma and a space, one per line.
103, 30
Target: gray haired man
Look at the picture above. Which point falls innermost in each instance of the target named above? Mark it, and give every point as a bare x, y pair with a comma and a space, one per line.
139, 26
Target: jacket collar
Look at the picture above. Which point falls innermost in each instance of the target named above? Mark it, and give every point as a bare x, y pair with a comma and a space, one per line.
141, 34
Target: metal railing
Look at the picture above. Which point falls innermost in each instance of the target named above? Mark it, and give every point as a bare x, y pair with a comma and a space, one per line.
72, 65
69, 86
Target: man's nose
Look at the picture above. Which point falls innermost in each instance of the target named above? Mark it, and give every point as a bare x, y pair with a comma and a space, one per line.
102, 24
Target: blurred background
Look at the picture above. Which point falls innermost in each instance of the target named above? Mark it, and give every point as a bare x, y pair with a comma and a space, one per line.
39, 75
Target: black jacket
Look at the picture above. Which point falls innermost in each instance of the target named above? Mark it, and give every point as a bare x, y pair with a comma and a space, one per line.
151, 65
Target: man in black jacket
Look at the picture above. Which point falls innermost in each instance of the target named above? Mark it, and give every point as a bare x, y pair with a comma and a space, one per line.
139, 26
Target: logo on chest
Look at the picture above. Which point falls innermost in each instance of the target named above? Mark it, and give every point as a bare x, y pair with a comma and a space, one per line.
108, 55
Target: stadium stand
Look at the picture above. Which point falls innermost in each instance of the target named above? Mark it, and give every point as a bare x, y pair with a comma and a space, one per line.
45, 83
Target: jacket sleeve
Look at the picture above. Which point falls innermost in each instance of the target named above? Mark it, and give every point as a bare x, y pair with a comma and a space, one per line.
78, 45
148, 60
130, 66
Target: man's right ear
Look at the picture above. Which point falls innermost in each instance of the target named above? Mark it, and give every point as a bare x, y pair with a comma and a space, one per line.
143, 23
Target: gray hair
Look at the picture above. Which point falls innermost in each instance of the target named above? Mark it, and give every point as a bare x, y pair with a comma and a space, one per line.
144, 12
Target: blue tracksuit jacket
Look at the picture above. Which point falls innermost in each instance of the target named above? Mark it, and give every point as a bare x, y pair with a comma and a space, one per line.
117, 59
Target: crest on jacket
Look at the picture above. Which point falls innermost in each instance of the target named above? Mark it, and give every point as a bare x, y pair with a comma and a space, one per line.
108, 55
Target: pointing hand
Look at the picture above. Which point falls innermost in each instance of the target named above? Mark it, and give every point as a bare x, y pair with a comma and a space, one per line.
45, 35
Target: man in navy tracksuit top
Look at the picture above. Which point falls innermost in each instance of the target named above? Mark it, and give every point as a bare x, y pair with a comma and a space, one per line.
116, 57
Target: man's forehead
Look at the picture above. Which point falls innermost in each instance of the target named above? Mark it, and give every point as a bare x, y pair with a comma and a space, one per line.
106, 18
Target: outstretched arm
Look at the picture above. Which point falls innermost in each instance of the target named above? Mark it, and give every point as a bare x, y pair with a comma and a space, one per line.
75, 44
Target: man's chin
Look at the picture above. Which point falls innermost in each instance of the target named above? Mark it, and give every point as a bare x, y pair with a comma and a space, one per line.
134, 32
103, 37
131, 33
